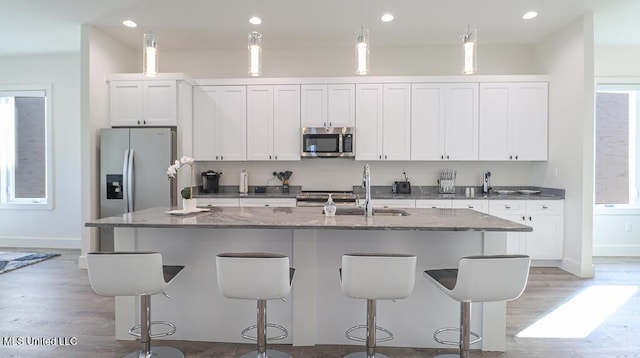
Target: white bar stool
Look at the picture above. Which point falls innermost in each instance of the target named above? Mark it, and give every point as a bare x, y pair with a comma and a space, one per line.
479, 279
256, 276
136, 274
376, 277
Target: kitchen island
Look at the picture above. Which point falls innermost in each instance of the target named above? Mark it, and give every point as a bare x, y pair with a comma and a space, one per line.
317, 311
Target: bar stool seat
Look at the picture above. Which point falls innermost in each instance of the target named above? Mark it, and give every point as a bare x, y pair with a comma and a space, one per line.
136, 274
375, 277
479, 279
256, 276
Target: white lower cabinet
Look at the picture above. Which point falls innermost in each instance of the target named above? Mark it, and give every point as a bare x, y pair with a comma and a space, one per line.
546, 217
267, 202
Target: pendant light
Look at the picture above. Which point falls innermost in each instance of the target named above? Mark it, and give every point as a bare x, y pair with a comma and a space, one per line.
470, 51
255, 53
150, 55
362, 52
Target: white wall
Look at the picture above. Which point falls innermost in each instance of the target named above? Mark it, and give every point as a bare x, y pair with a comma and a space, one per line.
567, 57
617, 61
101, 55
331, 62
59, 227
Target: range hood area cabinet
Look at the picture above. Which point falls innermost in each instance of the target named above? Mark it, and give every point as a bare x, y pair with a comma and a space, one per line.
273, 122
220, 123
444, 121
331, 105
156, 102
513, 121
383, 121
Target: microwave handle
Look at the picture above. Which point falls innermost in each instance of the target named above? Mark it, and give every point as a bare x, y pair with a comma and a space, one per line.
340, 144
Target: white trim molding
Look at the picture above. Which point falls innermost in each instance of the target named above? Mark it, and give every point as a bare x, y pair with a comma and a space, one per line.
41, 242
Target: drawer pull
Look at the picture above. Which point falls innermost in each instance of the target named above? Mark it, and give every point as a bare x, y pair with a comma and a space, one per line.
470, 206
507, 206
545, 207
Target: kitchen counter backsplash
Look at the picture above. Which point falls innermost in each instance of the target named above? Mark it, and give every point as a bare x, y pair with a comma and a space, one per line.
384, 192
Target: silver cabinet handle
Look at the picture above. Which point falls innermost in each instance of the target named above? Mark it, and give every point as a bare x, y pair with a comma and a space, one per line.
545, 207
380, 157
507, 207
385, 156
441, 156
447, 156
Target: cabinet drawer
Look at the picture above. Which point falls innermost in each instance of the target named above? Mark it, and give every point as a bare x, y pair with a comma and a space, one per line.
392, 203
219, 202
506, 206
433, 203
545, 207
477, 205
268, 202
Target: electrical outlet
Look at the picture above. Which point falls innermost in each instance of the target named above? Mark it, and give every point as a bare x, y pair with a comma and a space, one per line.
274, 173
628, 227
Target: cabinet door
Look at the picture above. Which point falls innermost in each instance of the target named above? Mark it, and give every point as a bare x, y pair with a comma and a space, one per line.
546, 242
494, 121
231, 124
160, 99
369, 115
313, 105
205, 109
341, 105
546, 217
427, 119
260, 129
396, 128
530, 117
461, 121
286, 128
125, 103
512, 210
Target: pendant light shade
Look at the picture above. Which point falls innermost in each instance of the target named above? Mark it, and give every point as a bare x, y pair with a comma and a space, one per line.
362, 52
470, 51
150, 55
255, 53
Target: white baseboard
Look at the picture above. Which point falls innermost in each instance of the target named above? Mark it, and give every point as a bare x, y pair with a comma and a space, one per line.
616, 250
41, 242
577, 268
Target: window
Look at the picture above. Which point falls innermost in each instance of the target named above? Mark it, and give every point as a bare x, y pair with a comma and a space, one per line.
617, 146
25, 147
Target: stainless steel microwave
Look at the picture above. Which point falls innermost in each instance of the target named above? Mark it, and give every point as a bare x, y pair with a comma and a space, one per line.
327, 142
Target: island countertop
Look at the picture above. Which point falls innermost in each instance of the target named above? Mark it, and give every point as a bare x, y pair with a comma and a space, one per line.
311, 218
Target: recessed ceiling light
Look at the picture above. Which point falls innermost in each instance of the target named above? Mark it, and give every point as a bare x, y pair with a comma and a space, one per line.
129, 23
530, 15
255, 20
387, 18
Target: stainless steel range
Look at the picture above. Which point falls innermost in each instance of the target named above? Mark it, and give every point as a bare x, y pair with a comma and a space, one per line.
319, 197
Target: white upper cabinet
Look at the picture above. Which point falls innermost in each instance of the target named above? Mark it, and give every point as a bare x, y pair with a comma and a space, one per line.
513, 121
383, 121
220, 123
444, 121
328, 105
273, 122
143, 103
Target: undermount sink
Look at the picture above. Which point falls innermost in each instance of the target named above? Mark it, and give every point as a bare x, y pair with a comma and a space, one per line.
376, 212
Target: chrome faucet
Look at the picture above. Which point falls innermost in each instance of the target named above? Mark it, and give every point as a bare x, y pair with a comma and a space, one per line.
366, 184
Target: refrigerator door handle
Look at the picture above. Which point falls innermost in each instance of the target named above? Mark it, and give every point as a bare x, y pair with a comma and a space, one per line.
130, 174
125, 181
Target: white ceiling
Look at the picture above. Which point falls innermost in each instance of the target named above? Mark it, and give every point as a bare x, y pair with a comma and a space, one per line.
51, 26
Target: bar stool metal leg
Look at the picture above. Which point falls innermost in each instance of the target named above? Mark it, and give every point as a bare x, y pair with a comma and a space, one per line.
261, 336
146, 351
371, 334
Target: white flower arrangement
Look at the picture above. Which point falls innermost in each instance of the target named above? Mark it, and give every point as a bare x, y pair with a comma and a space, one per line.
173, 170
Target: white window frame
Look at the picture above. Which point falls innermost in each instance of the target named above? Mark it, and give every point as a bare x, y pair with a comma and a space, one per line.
7, 201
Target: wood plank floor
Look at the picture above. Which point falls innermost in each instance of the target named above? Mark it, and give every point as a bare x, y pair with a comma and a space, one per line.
53, 299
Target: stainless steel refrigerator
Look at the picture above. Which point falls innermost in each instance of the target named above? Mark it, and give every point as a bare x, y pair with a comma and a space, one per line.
133, 172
